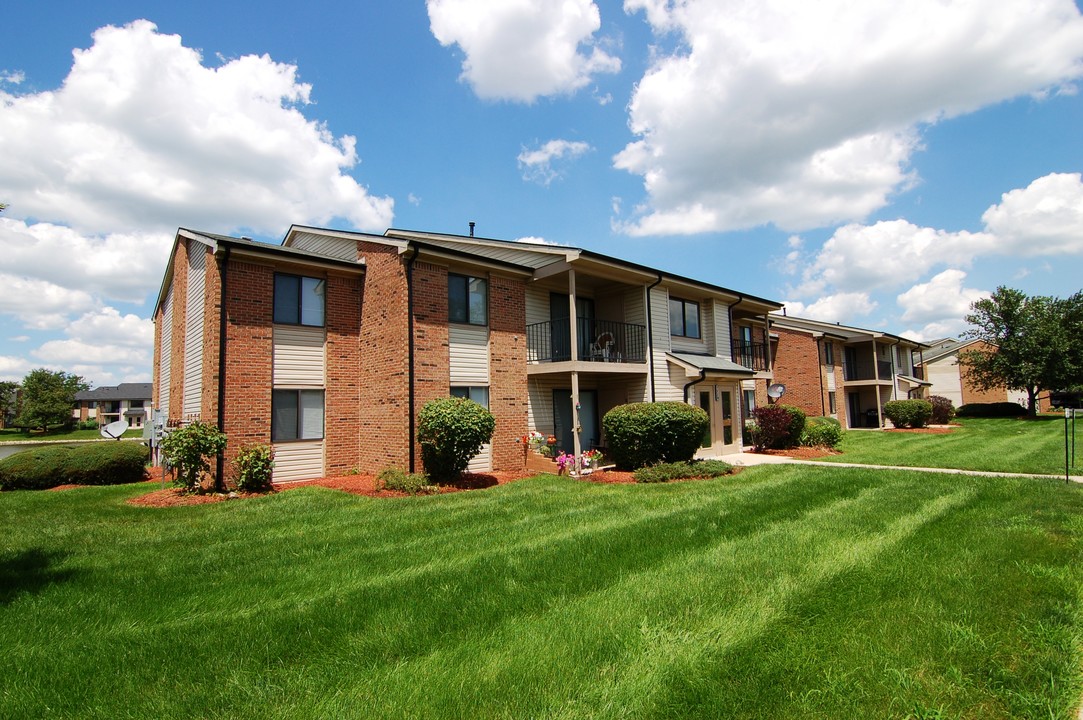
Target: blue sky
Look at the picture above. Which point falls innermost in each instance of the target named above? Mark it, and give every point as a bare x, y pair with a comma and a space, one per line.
877, 164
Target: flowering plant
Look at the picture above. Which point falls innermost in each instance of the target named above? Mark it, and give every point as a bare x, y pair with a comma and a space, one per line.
564, 462
535, 438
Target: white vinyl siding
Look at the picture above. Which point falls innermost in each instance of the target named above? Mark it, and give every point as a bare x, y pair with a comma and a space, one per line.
299, 356
663, 386
341, 248
721, 326
468, 351
193, 331
298, 461
537, 305
165, 353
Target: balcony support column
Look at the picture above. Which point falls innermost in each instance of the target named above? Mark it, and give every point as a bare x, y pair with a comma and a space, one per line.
573, 334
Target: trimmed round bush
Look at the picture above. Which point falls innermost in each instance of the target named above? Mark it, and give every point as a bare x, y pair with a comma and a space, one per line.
908, 413
641, 434
997, 409
822, 432
99, 463
796, 427
255, 464
451, 431
771, 427
943, 410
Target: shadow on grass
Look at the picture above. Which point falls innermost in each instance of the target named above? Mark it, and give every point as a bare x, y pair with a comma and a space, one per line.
30, 571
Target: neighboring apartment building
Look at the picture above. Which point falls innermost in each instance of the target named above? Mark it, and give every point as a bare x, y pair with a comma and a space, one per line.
840, 371
128, 401
948, 377
330, 343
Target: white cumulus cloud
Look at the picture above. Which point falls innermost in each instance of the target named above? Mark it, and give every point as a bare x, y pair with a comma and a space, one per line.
521, 50
806, 114
545, 164
1044, 218
841, 307
143, 135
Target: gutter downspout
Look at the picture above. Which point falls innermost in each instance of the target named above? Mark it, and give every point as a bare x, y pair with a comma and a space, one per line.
696, 381
223, 273
650, 334
410, 350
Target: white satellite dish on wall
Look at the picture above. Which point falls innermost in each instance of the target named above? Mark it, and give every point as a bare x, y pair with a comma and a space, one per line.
114, 430
776, 391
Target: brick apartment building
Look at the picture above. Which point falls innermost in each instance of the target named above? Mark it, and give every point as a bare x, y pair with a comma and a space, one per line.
840, 371
941, 366
328, 345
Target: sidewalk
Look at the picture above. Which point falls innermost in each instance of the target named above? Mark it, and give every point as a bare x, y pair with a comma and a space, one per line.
748, 459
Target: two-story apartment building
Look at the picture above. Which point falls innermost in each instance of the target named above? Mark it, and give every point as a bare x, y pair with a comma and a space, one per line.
841, 371
130, 402
941, 365
328, 345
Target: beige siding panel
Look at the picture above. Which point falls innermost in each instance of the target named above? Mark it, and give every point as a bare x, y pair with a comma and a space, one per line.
537, 305
707, 330
340, 248
540, 403
722, 330
193, 331
660, 330
298, 461
669, 385
299, 356
634, 310
468, 351
165, 353
483, 461
505, 254
944, 376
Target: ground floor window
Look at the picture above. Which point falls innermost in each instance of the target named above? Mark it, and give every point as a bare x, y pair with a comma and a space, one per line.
832, 403
750, 402
477, 393
296, 415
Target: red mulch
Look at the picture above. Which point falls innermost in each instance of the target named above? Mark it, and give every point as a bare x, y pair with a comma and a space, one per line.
802, 453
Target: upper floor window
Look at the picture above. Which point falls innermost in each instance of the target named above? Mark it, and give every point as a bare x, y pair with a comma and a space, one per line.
829, 353
299, 300
467, 300
683, 318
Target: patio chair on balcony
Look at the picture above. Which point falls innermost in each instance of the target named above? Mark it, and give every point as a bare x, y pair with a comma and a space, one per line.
601, 350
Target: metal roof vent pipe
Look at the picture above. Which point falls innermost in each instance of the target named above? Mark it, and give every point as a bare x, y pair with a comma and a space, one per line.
471, 228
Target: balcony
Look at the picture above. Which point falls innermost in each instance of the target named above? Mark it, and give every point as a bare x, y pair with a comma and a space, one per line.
750, 354
867, 370
599, 341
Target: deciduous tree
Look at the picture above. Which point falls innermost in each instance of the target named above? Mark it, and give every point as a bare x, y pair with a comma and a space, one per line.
48, 398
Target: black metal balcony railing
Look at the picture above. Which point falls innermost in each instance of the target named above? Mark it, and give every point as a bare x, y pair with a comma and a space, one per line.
867, 370
750, 354
599, 341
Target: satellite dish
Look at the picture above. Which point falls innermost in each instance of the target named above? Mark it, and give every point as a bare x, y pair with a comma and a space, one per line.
776, 391
114, 430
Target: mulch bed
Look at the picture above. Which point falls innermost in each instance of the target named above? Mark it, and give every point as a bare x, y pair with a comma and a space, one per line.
361, 485
802, 453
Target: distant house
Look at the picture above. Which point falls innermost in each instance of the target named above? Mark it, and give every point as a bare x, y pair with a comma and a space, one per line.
106, 404
940, 366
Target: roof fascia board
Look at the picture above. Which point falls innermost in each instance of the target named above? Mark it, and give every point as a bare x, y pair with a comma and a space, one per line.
433, 251
341, 234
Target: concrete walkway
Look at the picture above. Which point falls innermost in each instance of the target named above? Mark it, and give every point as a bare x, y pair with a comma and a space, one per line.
748, 459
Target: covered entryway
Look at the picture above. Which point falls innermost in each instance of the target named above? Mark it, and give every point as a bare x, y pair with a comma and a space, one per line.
564, 419
719, 401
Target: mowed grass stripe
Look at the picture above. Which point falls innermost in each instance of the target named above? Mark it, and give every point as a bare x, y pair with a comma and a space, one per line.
693, 605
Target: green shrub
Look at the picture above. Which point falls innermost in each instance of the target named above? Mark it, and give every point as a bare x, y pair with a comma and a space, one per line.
772, 427
410, 483
255, 464
822, 432
88, 424
943, 410
187, 449
642, 434
100, 463
908, 413
997, 409
451, 431
664, 472
795, 428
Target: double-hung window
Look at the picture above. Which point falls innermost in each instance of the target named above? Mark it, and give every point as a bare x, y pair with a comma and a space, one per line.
296, 415
467, 300
477, 393
683, 318
829, 353
299, 300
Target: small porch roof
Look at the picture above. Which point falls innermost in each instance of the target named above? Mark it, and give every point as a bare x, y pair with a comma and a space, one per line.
711, 364
915, 381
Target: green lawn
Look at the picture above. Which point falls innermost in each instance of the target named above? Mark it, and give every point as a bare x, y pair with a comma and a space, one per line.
780, 592
19, 435
1023, 445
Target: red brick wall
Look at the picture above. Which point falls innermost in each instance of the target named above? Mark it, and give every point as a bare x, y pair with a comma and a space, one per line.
970, 393
798, 367
507, 370
432, 364
212, 301
249, 351
840, 385
384, 380
342, 399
